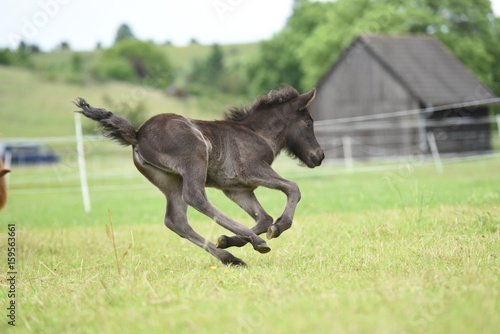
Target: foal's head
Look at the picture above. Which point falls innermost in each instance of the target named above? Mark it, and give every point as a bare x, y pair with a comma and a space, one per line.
301, 141
291, 109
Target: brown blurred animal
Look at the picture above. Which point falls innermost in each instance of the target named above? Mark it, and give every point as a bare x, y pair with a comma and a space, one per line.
3, 186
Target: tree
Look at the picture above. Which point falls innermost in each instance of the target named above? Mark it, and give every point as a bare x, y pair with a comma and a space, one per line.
214, 64
22, 55
345, 20
76, 62
135, 61
278, 61
493, 48
316, 34
207, 71
124, 32
6, 57
64, 46
462, 25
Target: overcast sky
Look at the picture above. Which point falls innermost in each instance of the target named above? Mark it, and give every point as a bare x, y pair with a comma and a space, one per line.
83, 23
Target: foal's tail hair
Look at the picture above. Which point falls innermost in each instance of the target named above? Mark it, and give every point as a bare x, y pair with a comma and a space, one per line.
113, 126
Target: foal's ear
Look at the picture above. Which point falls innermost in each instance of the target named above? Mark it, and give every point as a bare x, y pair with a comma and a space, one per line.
303, 101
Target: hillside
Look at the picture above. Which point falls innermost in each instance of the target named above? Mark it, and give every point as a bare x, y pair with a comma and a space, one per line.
32, 106
235, 55
37, 102
182, 58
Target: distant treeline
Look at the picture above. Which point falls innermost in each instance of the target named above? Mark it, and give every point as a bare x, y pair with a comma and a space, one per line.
131, 60
317, 32
308, 45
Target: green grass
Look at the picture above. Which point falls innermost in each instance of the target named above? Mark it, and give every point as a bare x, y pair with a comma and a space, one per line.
375, 252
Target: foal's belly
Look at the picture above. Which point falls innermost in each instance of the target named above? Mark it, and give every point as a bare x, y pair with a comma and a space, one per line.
227, 182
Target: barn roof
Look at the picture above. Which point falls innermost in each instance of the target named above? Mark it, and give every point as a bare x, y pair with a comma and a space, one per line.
425, 67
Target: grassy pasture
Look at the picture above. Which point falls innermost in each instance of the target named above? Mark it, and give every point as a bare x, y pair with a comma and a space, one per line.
398, 251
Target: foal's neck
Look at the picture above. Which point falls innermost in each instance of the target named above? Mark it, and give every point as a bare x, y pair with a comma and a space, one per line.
271, 127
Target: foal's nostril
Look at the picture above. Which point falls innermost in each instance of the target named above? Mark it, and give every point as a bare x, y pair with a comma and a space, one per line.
321, 155
315, 158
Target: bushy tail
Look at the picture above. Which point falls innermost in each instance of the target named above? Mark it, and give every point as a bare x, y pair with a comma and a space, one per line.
113, 126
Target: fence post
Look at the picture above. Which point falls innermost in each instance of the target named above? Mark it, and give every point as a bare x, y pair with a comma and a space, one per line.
347, 146
498, 124
81, 163
435, 153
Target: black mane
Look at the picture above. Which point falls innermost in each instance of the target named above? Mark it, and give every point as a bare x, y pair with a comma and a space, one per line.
273, 98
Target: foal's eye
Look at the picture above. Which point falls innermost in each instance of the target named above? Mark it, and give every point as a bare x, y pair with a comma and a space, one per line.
309, 123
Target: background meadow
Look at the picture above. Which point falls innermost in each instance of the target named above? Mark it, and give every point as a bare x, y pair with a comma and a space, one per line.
403, 250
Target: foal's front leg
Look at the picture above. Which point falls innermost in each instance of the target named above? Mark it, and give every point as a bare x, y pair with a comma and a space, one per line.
268, 178
246, 199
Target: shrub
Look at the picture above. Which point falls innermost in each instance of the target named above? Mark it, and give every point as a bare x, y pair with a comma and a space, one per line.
6, 57
137, 62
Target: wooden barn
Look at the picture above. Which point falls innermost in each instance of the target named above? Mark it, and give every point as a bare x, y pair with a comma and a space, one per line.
400, 95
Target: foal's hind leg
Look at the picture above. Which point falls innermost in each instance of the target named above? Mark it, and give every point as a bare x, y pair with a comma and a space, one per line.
246, 199
176, 220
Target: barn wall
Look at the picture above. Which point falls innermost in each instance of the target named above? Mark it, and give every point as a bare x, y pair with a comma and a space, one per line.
460, 133
360, 85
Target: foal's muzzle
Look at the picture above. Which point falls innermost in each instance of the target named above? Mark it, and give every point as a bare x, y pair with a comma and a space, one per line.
316, 158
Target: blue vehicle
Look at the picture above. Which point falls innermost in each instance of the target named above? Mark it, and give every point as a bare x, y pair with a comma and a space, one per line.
29, 153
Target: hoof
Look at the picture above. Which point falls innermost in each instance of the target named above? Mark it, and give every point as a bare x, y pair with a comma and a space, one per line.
262, 248
273, 232
222, 242
235, 262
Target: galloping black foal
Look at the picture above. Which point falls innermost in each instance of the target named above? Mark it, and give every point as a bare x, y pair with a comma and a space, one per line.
182, 156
